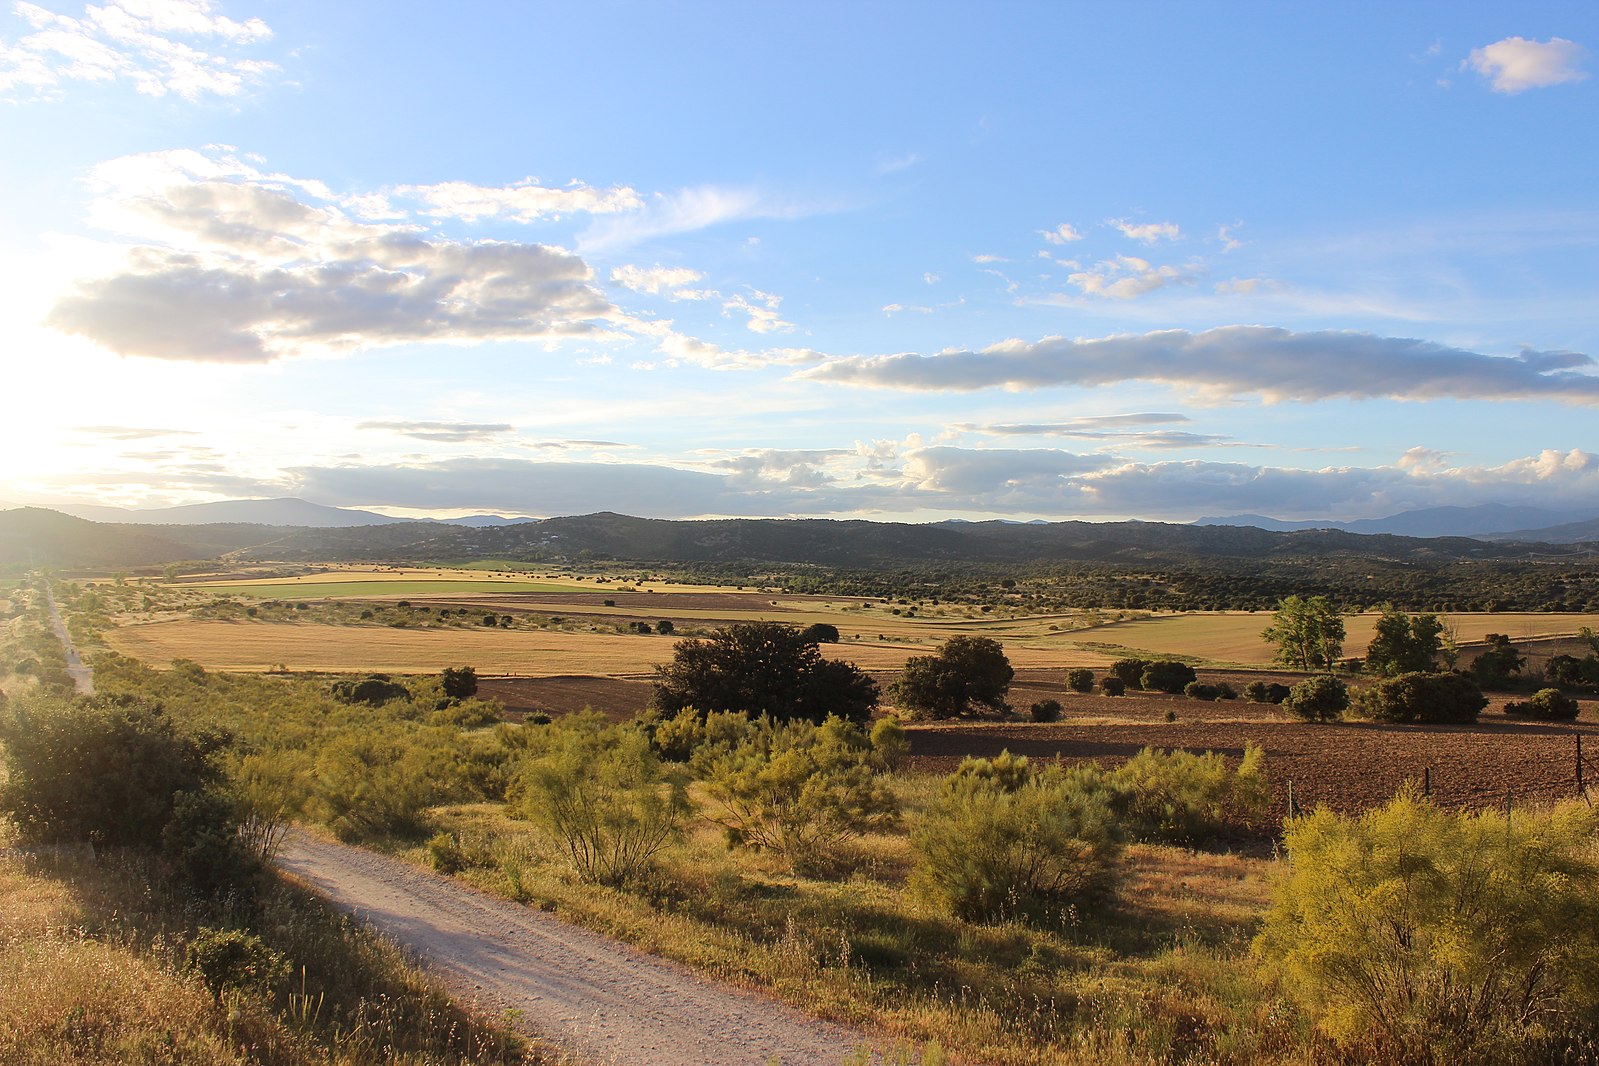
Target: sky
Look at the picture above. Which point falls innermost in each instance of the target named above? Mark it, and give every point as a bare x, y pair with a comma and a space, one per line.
905, 262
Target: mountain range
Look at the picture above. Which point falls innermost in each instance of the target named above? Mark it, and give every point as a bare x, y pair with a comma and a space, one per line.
1492, 521
286, 511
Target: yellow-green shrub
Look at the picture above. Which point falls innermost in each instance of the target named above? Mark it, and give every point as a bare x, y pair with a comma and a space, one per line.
1447, 937
1182, 797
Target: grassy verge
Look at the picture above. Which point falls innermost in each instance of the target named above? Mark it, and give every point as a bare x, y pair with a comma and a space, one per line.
94, 960
1160, 973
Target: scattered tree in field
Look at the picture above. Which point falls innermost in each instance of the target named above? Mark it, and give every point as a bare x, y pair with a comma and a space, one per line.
460, 682
762, 668
1422, 935
664, 627
966, 672
1046, 711
1404, 644
1308, 632
1262, 692
1318, 699
1112, 686
1568, 671
1080, 680
1167, 675
821, 633
1494, 667
1422, 698
1548, 704
1130, 672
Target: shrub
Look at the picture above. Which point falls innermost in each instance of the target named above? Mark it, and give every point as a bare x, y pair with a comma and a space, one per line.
984, 851
1255, 692
1423, 698
1568, 671
1494, 667
1182, 797
966, 672
1130, 672
602, 796
1046, 711
664, 627
1004, 771
445, 854
1167, 675
821, 633
1200, 690
101, 768
201, 840
1080, 680
371, 784
1112, 686
234, 960
1448, 937
800, 790
1225, 691
373, 691
1318, 699
890, 746
1548, 704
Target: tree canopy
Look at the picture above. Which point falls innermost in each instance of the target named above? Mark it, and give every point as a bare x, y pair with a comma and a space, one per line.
763, 668
1308, 632
1403, 644
966, 671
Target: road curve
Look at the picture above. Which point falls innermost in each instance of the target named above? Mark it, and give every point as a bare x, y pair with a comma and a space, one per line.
603, 1000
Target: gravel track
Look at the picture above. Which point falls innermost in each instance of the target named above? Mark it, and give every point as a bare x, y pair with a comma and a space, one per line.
604, 1001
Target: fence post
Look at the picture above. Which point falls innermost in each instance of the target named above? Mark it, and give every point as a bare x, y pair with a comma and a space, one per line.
1426, 781
1580, 790
1290, 797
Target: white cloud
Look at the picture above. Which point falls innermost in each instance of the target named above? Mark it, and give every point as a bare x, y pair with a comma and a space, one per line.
686, 211
526, 201
1516, 64
653, 280
443, 432
930, 278
158, 46
986, 258
1147, 232
1128, 277
1230, 361
1061, 234
234, 265
763, 312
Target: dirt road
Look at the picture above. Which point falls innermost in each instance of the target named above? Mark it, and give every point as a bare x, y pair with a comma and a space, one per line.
82, 676
603, 1000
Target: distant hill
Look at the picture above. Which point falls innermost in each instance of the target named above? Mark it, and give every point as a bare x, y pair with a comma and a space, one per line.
33, 536
1567, 533
285, 511
1486, 519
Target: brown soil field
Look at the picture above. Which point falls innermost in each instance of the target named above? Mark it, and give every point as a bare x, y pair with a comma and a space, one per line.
617, 698
1349, 766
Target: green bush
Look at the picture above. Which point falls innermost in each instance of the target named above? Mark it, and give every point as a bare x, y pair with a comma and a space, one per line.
966, 673
445, 854
1261, 692
1494, 668
1201, 690
1438, 936
1547, 704
234, 960
1046, 711
890, 746
1182, 797
602, 796
984, 851
1080, 680
372, 691
1318, 699
1112, 686
1422, 698
369, 783
800, 790
1167, 675
1004, 771
105, 769
1568, 671
762, 668
1130, 672
459, 682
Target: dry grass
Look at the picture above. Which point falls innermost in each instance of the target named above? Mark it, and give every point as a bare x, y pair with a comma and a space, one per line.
1234, 637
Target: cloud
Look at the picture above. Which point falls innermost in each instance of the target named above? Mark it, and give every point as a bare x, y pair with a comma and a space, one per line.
766, 467
1127, 277
654, 279
1516, 64
234, 265
1230, 361
1103, 428
1061, 234
682, 348
446, 432
132, 432
158, 46
1147, 232
763, 314
526, 201
687, 211
986, 258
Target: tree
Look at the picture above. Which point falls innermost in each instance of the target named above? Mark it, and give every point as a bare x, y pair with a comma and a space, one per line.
1493, 668
1080, 680
966, 671
1308, 632
821, 633
1167, 675
1403, 644
762, 668
1318, 699
1423, 697
460, 682
1130, 672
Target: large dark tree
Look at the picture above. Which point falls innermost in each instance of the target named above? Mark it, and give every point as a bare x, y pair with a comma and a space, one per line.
1404, 645
966, 672
763, 668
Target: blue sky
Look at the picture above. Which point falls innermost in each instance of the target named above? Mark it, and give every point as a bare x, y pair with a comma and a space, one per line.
895, 261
